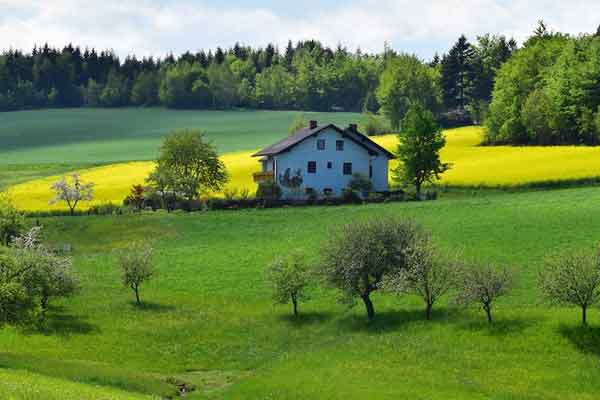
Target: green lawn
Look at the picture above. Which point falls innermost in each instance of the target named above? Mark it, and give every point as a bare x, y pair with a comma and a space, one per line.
209, 319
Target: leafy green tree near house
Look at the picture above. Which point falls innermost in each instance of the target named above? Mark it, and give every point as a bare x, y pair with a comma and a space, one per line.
421, 140
191, 163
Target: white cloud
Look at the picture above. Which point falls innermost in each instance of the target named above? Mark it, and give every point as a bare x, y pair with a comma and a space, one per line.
147, 27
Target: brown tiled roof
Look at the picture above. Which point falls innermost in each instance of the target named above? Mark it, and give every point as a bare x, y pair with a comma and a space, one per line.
304, 133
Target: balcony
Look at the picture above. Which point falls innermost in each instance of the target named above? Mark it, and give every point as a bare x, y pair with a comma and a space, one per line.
263, 176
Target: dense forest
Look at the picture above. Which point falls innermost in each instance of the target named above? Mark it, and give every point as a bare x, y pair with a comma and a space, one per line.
545, 92
306, 76
548, 92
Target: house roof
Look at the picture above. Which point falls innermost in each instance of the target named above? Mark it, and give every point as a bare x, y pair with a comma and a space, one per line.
300, 135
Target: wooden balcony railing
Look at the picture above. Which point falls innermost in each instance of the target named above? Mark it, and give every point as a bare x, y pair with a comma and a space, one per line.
263, 176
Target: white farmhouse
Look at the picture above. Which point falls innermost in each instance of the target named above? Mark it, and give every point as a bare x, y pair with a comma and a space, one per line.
322, 160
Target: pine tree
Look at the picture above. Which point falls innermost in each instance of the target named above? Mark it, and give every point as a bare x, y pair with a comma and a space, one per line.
457, 74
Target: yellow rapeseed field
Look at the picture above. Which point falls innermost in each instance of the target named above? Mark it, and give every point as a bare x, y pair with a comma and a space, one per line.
472, 165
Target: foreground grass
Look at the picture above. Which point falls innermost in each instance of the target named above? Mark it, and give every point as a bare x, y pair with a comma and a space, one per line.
208, 318
23, 385
472, 166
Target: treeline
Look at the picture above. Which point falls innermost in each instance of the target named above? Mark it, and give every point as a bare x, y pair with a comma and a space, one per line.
306, 75
549, 92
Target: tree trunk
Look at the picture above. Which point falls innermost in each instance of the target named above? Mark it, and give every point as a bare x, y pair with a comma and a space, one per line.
584, 314
137, 294
72, 211
488, 312
368, 306
295, 303
428, 311
418, 190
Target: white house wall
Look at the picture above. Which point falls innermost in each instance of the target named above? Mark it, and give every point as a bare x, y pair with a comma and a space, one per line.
298, 156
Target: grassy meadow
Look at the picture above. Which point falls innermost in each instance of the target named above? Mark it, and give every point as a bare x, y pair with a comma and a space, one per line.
209, 320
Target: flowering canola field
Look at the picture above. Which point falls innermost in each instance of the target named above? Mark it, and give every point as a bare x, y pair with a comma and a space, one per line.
472, 165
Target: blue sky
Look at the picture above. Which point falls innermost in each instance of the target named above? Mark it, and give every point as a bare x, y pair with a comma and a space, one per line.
156, 27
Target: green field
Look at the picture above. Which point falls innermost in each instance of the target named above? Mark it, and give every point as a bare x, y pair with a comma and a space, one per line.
89, 135
209, 319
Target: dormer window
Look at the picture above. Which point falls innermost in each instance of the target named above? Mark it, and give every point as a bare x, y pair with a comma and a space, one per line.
339, 145
320, 144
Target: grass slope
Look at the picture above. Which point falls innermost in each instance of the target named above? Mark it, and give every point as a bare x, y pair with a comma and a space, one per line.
88, 135
23, 385
472, 166
209, 318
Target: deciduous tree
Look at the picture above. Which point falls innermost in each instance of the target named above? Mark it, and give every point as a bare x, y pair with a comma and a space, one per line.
191, 163
421, 140
72, 191
483, 285
137, 267
427, 275
358, 258
290, 277
12, 222
572, 279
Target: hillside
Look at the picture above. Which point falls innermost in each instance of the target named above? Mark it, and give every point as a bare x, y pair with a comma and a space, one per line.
209, 317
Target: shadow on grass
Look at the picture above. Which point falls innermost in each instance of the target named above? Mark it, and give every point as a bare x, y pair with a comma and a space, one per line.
499, 327
585, 338
149, 306
392, 320
58, 322
307, 318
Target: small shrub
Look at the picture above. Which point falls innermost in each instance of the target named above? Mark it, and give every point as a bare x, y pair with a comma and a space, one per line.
360, 183
230, 193
372, 125
268, 191
12, 222
244, 194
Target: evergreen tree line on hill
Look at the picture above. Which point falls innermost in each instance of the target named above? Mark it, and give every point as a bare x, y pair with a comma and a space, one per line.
306, 76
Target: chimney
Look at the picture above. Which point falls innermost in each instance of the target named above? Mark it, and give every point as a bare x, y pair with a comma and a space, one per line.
352, 128
313, 124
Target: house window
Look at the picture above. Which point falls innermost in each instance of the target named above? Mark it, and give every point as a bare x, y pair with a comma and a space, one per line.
347, 168
312, 167
327, 191
320, 144
339, 145
329, 164
309, 191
